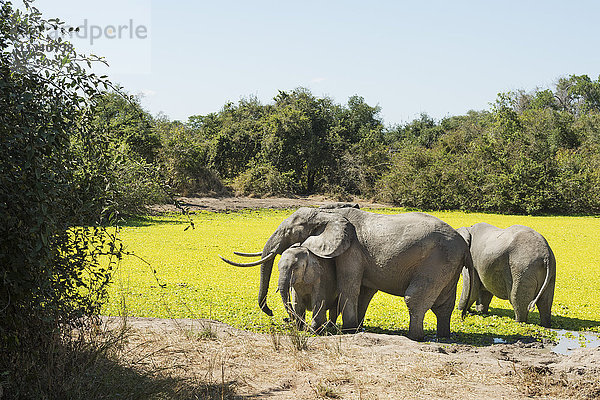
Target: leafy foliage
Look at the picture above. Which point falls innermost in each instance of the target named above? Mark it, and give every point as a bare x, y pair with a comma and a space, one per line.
303, 144
56, 189
531, 153
131, 148
264, 180
127, 125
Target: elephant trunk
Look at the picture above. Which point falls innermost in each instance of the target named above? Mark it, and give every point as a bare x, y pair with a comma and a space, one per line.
284, 289
275, 246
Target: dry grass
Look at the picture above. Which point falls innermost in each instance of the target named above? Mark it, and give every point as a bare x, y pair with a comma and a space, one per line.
189, 359
108, 361
541, 381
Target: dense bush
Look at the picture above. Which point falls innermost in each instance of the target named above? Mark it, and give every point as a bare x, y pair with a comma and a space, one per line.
56, 189
301, 144
184, 160
131, 148
264, 180
531, 153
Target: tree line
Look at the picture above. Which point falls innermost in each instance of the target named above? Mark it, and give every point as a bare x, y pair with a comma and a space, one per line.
530, 153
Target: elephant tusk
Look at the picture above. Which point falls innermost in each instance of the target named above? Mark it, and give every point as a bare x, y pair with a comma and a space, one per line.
250, 264
238, 253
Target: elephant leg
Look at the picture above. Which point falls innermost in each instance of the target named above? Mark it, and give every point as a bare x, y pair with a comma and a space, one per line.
417, 315
520, 296
366, 294
443, 314
333, 314
521, 312
443, 306
483, 301
544, 304
349, 272
348, 304
318, 317
418, 300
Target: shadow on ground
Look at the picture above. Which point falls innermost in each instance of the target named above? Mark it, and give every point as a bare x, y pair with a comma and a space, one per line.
85, 375
472, 339
558, 322
486, 338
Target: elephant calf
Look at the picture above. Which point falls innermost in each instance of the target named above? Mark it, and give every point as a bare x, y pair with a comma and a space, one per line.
515, 263
313, 284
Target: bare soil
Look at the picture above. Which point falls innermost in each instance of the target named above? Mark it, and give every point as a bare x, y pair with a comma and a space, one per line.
241, 364
226, 204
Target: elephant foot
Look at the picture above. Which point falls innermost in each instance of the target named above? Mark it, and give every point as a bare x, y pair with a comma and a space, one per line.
416, 337
443, 333
545, 321
482, 310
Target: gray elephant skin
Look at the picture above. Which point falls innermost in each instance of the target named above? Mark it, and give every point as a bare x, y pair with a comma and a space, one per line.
313, 286
413, 255
514, 264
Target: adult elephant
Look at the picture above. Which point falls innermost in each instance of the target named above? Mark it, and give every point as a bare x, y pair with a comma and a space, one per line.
413, 255
514, 264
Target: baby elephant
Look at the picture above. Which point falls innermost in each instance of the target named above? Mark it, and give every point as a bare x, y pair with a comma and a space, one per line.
313, 284
515, 263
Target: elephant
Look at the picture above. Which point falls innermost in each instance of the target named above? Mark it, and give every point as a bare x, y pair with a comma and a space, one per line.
414, 255
515, 263
313, 284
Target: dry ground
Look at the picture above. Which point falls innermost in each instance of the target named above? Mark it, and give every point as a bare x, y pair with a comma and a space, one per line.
222, 204
240, 364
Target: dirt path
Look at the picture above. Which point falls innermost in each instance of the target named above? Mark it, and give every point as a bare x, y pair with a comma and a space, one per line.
222, 204
243, 364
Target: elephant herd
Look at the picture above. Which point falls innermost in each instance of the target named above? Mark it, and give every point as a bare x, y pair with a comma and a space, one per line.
334, 259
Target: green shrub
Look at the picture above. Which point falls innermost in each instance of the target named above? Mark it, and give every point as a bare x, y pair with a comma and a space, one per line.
55, 174
185, 160
264, 180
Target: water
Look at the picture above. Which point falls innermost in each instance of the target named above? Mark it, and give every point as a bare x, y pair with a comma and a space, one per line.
571, 340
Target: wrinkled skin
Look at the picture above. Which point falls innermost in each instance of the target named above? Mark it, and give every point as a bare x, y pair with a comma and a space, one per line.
313, 284
514, 264
413, 255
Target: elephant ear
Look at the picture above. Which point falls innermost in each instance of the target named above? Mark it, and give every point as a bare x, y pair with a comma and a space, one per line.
332, 237
466, 235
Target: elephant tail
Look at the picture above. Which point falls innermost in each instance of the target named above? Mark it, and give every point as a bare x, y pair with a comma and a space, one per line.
468, 263
547, 261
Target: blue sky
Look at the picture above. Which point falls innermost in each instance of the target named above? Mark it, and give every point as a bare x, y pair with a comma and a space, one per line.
439, 57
